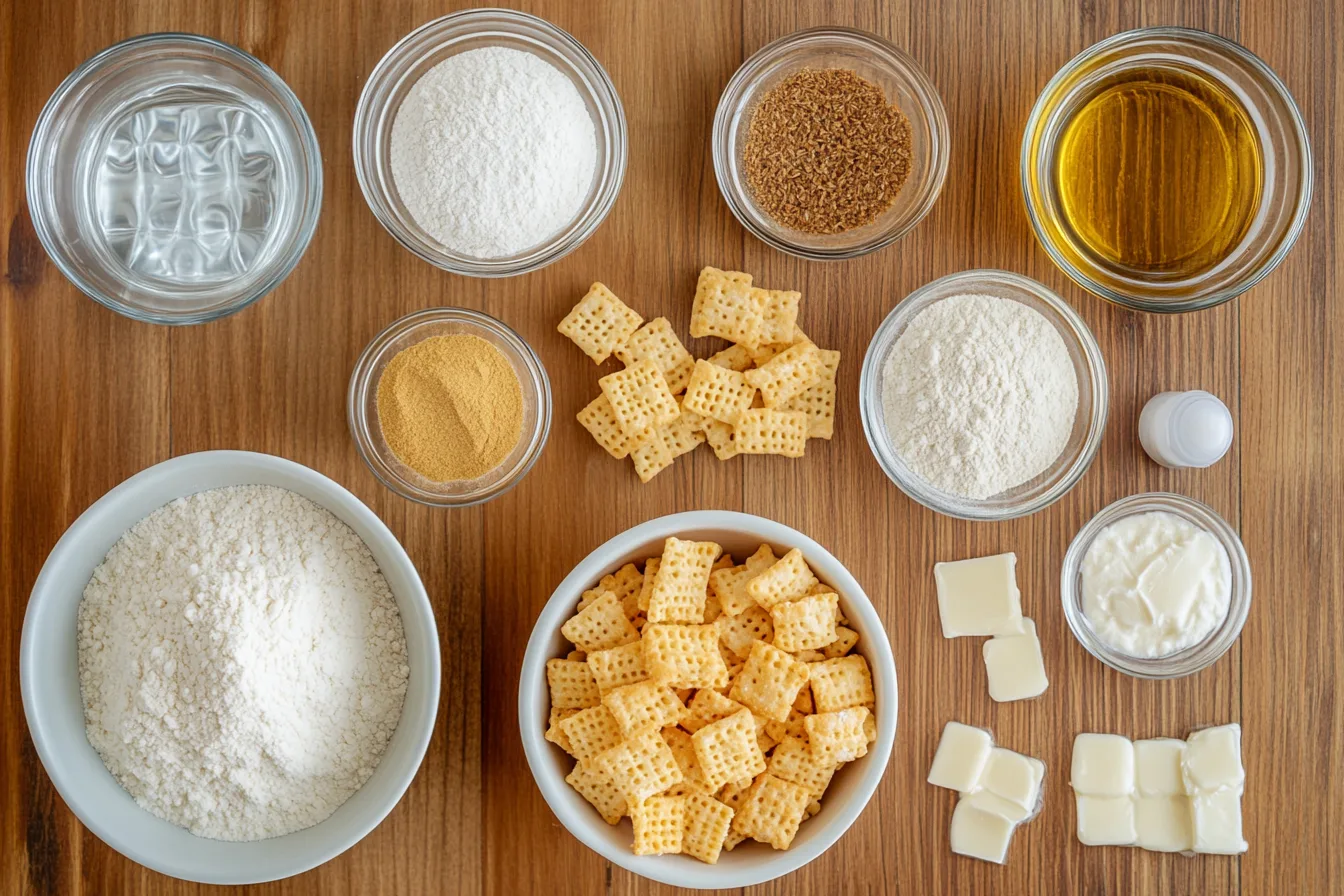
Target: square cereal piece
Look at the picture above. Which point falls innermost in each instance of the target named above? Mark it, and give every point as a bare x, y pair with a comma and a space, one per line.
722, 438
679, 742
739, 632
724, 306
600, 625
768, 431
772, 811
600, 421
725, 561
651, 458
803, 703
684, 434
646, 589
841, 683
769, 682
618, 666
779, 313
682, 582
718, 393
572, 685
642, 705
657, 342
727, 750
732, 840
734, 792
591, 731
640, 399
979, 596
793, 760
807, 623
623, 582
641, 766
659, 822
788, 373
599, 323
707, 825
730, 585
684, 656
818, 400
845, 639
555, 734
837, 736
708, 705
734, 357
597, 787
787, 579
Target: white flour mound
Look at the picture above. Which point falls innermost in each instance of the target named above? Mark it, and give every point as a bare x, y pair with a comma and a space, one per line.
242, 662
493, 151
979, 394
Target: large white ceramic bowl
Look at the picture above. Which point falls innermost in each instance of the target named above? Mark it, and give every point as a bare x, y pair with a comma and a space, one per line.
49, 674
750, 863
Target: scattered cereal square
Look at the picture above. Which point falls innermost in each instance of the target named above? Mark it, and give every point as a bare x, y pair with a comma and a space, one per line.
618, 666
640, 399
807, 623
598, 788
818, 400
642, 705
599, 323
600, 421
787, 374
727, 750
657, 342
772, 811
838, 736
734, 357
793, 760
600, 625
787, 579
651, 458
591, 731
684, 434
769, 682
724, 306
682, 582
779, 313
684, 656
841, 683
658, 822
722, 438
572, 685
707, 825
739, 632
718, 393
769, 431
641, 766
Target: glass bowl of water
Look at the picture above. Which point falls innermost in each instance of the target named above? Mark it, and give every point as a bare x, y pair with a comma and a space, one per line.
174, 179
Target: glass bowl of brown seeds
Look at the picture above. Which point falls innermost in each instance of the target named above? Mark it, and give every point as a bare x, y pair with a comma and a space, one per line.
830, 143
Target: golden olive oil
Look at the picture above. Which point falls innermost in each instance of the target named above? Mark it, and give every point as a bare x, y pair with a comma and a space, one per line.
1159, 173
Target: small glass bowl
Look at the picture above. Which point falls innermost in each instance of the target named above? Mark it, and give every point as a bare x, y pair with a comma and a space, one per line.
427, 46
1286, 196
143, 83
362, 407
1183, 662
904, 83
1088, 425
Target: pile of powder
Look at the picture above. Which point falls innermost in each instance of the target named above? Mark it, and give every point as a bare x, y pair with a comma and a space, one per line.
242, 662
450, 407
979, 395
493, 151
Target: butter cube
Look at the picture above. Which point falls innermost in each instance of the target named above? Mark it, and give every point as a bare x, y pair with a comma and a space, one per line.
987, 801
961, 757
1013, 777
1157, 766
1164, 823
979, 834
1103, 765
979, 596
1217, 821
1015, 666
1106, 820
1212, 760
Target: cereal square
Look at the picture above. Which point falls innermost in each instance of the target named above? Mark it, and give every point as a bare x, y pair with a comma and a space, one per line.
641, 766
770, 431
769, 682
779, 313
739, 632
734, 357
600, 625
730, 585
807, 623
722, 438
772, 811
600, 421
618, 666
787, 579
794, 760
679, 742
727, 750
708, 705
640, 399
838, 736
651, 458
657, 342
682, 582
684, 656
599, 323
718, 393
787, 374
724, 306
818, 400
555, 734
591, 731
707, 825
572, 684
658, 822
841, 683
845, 639
598, 788
643, 704
684, 434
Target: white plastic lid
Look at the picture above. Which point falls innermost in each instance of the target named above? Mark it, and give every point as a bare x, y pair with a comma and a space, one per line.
1201, 429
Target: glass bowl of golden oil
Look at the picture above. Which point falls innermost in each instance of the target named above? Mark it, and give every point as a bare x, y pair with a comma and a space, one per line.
1166, 169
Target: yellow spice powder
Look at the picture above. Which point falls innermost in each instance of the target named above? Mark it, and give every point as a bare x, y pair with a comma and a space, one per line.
450, 407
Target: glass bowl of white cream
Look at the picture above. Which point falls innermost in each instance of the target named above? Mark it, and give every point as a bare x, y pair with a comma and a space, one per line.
1156, 585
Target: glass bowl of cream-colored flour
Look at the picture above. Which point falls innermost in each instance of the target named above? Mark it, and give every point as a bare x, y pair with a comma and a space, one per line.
967, 395
490, 142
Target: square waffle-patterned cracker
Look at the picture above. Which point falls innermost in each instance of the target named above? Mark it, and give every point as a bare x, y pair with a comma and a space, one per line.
600, 421
730, 585
659, 823
769, 682
769, 431
818, 400
772, 811
841, 683
555, 734
724, 306
708, 706
779, 313
722, 438
787, 374
734, 357
572, 684
679, 742
640, 399
656, 341
599, 323
684, 434
807, 623
600, 625
727, 750
618, 666
682, 582
591, 731
651, 458
739, 632
597, 787
641, 766
684, 656
838, 736
707, 824
845, 639
793, 760
789, 578
645, 704
718, 393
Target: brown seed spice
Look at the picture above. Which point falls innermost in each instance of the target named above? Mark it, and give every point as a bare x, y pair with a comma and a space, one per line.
826, 152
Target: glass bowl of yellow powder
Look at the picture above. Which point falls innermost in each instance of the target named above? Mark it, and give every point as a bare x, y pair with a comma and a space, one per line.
449, 407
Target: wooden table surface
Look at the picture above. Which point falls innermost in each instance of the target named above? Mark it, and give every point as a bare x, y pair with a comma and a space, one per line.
89, 398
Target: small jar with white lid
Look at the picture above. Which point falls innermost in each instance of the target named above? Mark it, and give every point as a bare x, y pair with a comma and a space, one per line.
1185, 429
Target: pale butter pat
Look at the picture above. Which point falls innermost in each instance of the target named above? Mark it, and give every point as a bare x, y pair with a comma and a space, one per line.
1217, 823
1106, 820
960, 757
1015, 666
979, 596
987, 801
1164, 823
1103, 765
1212, 761
1157, 766
980, 834
1013, 777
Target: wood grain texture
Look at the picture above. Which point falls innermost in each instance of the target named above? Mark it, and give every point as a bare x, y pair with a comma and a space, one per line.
88, 398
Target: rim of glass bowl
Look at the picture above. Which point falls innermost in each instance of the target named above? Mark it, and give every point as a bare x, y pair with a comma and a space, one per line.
362, 383
1031, 161
47, 129
1184, 662
764, 61
1088, 363
403, 65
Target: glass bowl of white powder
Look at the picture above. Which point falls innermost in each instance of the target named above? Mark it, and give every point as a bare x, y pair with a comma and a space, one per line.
1156, 585
984, 396
490, 142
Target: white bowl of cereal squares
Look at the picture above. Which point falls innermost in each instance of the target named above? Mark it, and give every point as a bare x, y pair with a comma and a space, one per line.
743, 760
54, 700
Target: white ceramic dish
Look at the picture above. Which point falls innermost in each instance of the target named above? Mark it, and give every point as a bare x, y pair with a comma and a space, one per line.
49, 676
750, 863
